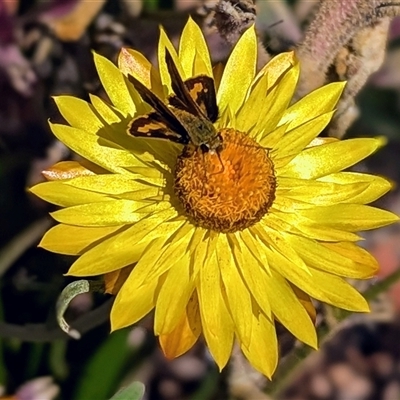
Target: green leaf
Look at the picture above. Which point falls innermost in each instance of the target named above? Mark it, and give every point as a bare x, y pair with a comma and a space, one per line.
134, 391
70, 292
105, 369
151, 5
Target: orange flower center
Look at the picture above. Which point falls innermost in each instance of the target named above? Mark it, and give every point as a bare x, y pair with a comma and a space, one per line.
228, 190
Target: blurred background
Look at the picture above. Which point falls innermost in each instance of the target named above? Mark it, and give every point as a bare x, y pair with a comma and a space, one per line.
45, 50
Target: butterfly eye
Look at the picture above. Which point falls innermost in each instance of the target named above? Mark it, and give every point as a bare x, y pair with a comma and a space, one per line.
204, 148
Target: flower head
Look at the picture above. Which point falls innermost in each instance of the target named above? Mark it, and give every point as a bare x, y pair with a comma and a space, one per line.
222, 233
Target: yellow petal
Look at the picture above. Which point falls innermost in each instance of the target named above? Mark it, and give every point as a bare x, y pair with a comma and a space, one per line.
354, 252
107, 113
297, 139
155, 153
253, 246
117, 251
88, 146
277, 66
104, 213
287, 308
111, 184
319, 161
105, 256
285, 203
318, 141
74, 240
199, 66
277, 100
217, 324
248, 114
238, 296
192, 42
376, 185
78, 113
57, 192
306, 302
272, 139
262, 352
318, 102
171, 302
132, 62
173, 247
165, 43
113, 133
186, 332
226, 120
320, 193
285, 305
324, 258
151, 193
238, 73
114, 84
132, 303
349, 217
298, 224
66, 170
253, 273
320, 285
276, 239
218, 71
114, 280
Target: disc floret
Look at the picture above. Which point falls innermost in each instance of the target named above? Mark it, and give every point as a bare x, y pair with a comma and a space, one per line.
228, 190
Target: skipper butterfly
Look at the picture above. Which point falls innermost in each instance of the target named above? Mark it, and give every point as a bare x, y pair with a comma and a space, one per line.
188, 116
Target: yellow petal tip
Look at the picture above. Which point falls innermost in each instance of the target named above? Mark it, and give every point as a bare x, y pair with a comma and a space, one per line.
381, 140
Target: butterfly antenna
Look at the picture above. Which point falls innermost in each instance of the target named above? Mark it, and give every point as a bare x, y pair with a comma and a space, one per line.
275, 24
222, 164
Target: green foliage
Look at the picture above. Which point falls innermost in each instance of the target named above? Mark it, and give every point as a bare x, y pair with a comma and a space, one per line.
134, 391
151, 5
102, 373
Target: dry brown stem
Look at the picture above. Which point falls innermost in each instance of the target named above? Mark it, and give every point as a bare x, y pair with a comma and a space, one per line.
232, 18
364, 56
345, 41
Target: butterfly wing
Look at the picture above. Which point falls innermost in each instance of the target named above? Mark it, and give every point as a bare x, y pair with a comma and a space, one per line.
202, 90
179, 87
152, 125
196, 94
162, 123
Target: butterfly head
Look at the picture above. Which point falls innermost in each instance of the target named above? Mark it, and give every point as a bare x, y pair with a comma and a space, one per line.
213, 145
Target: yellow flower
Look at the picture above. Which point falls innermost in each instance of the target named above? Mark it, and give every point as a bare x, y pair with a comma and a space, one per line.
223, 242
